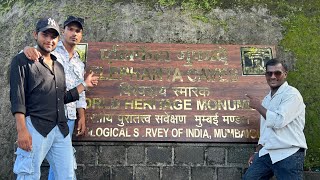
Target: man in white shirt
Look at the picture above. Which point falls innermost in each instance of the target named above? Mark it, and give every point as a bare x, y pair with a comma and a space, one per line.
282, 144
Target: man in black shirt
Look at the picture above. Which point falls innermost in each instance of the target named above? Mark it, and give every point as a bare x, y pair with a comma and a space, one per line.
38, 94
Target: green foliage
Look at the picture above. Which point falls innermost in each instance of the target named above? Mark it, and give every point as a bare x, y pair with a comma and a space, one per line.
6, 5
167, 2
302, 38
205, 5
201, 18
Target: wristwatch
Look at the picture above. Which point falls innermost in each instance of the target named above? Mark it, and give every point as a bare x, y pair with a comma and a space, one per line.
84, 85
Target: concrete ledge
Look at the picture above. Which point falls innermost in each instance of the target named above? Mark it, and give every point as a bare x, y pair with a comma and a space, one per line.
311, 175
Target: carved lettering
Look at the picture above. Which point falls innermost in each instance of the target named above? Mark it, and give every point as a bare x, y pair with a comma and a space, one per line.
173, 92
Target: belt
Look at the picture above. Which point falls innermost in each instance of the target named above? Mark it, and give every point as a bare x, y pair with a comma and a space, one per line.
301, 150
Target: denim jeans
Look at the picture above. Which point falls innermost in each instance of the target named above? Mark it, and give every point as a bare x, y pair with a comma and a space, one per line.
71, 124
56, 148
288, 168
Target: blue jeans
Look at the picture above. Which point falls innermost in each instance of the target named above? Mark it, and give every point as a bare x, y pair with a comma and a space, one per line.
288, 168
71, 124
56, 148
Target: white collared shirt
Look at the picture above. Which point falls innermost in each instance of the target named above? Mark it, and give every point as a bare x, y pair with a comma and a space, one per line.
74, 72
281, 133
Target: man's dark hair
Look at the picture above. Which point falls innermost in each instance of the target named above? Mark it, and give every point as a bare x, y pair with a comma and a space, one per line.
273, 62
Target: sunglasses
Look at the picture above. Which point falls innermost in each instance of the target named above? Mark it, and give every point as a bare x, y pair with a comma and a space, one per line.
277, 74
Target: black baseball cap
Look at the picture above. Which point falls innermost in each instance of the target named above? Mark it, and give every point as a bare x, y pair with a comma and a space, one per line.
71, 19
47, 23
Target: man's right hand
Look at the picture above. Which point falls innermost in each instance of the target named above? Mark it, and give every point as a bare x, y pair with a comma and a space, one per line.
254, 102
32, 53
24, 140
